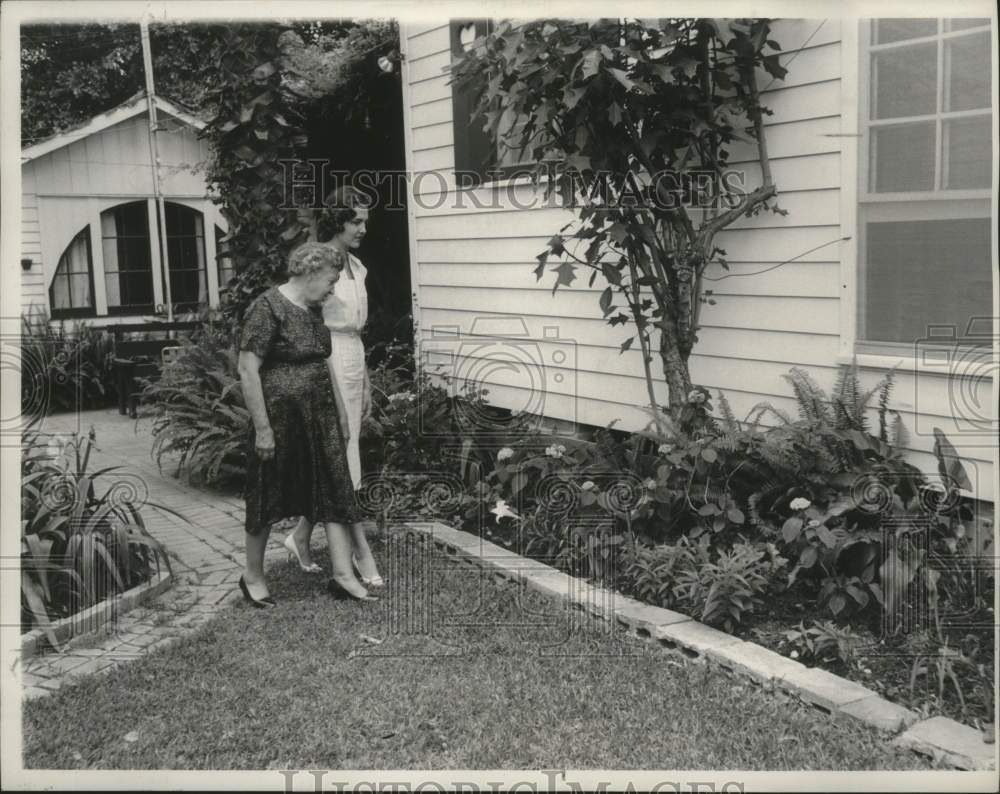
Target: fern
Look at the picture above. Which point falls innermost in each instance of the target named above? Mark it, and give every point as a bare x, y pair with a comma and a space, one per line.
812, 400
729, 422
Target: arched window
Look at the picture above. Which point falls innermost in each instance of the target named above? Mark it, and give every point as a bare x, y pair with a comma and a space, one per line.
128, 266
186, 256
128, 258
71, 293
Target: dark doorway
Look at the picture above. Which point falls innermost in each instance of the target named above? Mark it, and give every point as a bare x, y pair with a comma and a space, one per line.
367, 135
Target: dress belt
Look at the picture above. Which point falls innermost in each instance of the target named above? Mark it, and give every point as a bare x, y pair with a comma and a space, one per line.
344, 331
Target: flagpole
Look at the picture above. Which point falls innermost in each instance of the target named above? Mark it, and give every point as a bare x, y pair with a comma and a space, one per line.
161, 231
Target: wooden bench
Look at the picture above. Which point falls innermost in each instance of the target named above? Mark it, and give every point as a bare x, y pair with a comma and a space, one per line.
141, 358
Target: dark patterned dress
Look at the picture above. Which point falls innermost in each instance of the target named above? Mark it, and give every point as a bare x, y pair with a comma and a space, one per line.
308, 475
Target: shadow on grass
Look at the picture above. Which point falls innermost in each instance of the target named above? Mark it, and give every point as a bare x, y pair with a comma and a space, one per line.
450, 670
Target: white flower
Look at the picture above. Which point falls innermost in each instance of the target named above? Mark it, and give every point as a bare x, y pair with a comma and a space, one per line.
868, 671
505, 454
665, 449
650, 484
800, 503
555, 451
794, 654
503, 511
403, 395
813, 523
587, 485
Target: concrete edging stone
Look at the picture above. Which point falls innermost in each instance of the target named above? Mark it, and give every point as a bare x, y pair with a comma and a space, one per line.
95, 617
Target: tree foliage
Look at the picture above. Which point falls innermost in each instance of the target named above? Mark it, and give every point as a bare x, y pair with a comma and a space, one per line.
624, 114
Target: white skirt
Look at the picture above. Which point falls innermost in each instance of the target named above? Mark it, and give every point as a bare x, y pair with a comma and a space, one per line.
348, 364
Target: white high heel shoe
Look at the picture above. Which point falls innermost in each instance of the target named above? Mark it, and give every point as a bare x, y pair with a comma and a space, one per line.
293, 551
375, 581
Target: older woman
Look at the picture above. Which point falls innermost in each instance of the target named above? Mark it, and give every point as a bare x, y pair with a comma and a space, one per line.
297, 465
342, 226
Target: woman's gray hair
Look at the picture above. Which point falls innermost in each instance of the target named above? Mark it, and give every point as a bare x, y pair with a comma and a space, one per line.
310, 258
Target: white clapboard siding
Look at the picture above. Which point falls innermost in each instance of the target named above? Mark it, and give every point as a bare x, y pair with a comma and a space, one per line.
473, 269
115, 161
32, 280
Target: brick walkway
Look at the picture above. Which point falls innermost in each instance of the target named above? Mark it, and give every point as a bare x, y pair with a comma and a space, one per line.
206, 556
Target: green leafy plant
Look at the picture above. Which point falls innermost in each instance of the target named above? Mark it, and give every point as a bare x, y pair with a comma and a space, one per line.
198, 410
78, 546
824, 641
632, 100
64, 368
718, 588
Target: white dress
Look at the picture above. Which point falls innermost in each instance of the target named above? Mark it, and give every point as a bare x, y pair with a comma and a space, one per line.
345, 313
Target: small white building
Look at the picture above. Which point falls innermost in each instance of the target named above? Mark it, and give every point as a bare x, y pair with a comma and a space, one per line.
88, 210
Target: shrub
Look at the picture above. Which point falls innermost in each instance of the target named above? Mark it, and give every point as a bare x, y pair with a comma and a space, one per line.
77, 548
198, 410
717, 588
823, 641
64, 369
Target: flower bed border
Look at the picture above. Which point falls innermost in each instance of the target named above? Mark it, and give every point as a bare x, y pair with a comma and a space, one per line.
90, 620
944, 739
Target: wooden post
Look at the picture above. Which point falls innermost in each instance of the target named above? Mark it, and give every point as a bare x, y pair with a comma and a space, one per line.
161, 227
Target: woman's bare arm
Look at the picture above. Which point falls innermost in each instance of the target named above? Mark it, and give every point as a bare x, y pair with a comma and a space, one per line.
253, 395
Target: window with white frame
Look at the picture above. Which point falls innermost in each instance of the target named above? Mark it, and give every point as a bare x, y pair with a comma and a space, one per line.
925, 177
71, 293
128, 263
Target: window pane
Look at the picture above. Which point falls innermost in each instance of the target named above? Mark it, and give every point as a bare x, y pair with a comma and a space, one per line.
77, 260
965, 24
70, 288
112, 290
79, 286
903, 157
188, 286
59, 293
133, 254
969, 65
887, 30
131, 219
969, 155
922, 273
904, 82
136, 289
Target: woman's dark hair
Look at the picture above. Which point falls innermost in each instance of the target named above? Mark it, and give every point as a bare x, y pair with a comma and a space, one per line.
339, 209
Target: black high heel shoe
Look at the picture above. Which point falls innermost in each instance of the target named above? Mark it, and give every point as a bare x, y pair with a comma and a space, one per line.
262, 603
340, 592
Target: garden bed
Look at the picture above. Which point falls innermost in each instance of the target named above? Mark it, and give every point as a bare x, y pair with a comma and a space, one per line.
91, 620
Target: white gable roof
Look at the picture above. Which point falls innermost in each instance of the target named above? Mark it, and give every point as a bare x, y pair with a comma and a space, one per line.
134, 106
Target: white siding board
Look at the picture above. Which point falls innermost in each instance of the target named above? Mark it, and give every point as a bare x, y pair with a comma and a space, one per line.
428, 43
811, 280
750, 245
760, 343
438, 112
433, 136
430, 91
805, 315
430, 66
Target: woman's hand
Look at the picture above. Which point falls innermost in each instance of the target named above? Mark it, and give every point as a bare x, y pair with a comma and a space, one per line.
264, 443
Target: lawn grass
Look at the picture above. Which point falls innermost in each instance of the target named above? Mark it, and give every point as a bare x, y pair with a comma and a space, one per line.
470, 674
